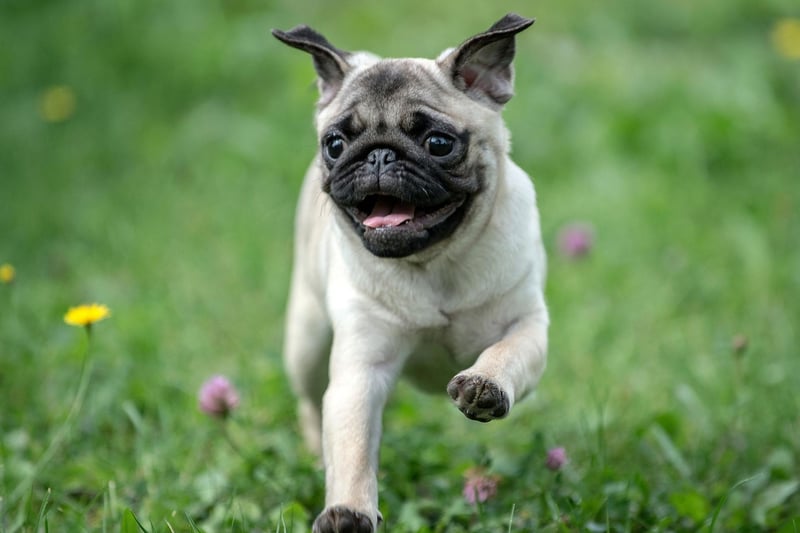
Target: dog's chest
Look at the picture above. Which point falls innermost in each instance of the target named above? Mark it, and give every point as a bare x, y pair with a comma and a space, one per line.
434, 299
442, 352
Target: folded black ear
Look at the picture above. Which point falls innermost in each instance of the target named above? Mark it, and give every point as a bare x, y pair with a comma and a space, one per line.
481, 66
329, 62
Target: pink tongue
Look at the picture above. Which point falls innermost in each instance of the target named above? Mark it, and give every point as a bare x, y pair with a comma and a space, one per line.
389, 212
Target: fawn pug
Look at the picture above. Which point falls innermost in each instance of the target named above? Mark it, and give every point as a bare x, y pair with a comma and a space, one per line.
418, 252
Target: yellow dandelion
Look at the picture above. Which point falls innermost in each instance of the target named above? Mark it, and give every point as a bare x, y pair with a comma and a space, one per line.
86, 315
57, 103
786, 37
7, 273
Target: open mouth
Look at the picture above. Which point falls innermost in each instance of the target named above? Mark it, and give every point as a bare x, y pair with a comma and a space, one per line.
382, 211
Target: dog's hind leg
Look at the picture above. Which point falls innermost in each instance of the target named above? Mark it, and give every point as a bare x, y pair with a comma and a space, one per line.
306, 353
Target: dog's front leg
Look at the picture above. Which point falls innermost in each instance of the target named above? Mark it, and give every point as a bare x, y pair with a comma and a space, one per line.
505, 371
365, 362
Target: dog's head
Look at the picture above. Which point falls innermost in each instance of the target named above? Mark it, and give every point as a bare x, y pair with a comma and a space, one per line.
409, 146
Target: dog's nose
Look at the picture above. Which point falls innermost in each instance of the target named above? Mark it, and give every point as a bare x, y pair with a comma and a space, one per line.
380, 158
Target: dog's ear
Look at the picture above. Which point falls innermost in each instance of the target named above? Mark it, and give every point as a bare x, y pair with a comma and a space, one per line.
329, 62
481, 65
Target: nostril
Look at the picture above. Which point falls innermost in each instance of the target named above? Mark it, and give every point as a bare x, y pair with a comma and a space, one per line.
381, 157
388, 156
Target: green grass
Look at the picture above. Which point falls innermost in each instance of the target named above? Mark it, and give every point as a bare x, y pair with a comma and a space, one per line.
673, 128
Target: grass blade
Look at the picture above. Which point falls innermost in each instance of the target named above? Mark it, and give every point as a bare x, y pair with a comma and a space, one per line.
42, 510
721, 503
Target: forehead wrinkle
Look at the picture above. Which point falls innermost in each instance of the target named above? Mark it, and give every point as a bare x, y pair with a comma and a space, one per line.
390, 92
395, 78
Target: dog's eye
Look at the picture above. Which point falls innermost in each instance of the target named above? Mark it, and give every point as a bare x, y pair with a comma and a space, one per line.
334, 146
439, 145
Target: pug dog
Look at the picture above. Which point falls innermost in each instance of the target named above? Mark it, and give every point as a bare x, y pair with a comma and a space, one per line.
417, 252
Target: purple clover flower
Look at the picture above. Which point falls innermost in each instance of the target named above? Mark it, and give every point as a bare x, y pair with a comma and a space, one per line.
556, 458
575, 240
479, 486
218, 397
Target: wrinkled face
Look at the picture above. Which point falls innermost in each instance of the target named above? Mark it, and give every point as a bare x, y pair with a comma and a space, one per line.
398, 164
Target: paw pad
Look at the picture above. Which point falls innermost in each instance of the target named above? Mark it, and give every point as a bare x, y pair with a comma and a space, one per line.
340, 519
478, 397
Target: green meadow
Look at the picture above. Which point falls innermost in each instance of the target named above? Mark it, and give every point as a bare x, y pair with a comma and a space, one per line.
150, 157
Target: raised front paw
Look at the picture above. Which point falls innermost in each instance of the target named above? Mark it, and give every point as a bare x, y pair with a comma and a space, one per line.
339, 519
478, 397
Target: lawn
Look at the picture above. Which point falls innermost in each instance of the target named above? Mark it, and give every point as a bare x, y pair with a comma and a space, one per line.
150, 157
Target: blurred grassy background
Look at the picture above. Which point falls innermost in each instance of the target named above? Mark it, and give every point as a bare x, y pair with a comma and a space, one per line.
150, 157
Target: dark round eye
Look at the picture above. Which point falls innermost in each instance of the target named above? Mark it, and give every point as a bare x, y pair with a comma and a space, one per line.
439, 145
334, 146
